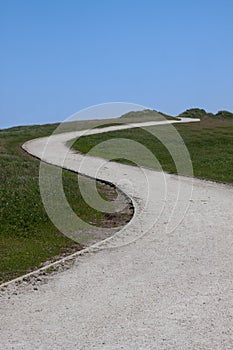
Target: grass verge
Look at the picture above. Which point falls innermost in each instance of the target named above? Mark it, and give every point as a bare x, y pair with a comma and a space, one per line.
27, 237
210, 144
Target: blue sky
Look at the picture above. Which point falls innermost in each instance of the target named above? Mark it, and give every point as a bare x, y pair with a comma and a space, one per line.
59, 56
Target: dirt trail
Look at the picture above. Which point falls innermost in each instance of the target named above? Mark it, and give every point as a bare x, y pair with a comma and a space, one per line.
154, 285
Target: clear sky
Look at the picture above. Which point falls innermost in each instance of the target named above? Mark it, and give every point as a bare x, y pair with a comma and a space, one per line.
58, 56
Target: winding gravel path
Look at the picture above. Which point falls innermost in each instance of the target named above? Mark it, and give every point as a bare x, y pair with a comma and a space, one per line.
165, 281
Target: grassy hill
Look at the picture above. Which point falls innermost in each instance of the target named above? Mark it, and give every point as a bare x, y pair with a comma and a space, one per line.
144, 116
27, 236
210, 144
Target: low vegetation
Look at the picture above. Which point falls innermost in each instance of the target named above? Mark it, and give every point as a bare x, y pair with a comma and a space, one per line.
145, 115
27, 236
210, 144
203, 115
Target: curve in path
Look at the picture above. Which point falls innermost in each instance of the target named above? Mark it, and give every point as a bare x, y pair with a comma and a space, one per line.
166, 290
147, 188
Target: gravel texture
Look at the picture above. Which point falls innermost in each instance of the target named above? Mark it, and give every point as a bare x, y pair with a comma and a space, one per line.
165, 281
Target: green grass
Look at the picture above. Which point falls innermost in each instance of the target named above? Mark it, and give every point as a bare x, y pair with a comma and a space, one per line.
210, 144
145, 115
27, 236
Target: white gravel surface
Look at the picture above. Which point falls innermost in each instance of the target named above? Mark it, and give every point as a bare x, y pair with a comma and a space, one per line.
163, 282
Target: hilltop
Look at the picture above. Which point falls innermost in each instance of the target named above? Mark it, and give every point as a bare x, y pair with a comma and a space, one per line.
201, 114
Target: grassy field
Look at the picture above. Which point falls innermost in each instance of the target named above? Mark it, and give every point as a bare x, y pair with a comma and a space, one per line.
27, 237
210, 144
